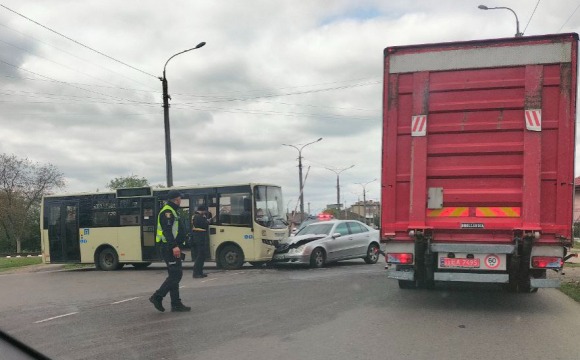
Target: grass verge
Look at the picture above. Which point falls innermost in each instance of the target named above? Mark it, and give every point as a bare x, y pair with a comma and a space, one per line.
572, 290
11, 263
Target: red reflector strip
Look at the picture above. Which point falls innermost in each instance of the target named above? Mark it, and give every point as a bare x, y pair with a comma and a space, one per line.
399, 258
498, 211
448, 212
547, 262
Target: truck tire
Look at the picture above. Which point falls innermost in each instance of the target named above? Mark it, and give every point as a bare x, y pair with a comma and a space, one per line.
407, 284
231, 257
108, 259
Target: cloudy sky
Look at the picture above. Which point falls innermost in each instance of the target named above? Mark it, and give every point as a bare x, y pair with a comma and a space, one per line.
272, 72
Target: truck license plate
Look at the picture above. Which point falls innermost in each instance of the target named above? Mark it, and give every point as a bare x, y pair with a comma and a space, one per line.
459, 263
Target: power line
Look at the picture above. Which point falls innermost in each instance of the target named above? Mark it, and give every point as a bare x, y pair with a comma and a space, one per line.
570, 17
68, 84
533, 12
82, 84
54, 62
73, 55
76, 42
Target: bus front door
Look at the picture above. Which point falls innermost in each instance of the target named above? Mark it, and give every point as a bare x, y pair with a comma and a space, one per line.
63, 232
148, 223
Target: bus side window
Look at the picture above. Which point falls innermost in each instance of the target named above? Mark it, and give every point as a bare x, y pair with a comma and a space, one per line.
104, 211
232, 210
129, 212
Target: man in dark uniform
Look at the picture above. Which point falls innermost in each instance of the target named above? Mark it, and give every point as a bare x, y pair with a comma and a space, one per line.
199, 239
170, 233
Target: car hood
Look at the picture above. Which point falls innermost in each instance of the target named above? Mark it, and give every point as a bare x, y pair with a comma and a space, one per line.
296, 241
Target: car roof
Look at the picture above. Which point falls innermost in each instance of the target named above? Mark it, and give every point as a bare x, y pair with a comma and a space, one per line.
333, 221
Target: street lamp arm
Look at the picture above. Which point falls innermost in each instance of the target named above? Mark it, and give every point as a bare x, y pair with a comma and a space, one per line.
295, 147
310, 143
201, 44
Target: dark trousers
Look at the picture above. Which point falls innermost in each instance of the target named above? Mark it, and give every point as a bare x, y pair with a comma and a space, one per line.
175, 271
198, 252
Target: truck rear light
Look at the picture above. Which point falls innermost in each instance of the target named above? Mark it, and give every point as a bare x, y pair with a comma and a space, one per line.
399, 258
547, 262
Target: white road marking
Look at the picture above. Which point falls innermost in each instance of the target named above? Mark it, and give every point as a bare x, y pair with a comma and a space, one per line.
238, 273
56, 317
182, 286
209, 280
122, 301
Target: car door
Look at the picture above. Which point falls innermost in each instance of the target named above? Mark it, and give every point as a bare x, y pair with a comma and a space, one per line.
339, 247
360, 238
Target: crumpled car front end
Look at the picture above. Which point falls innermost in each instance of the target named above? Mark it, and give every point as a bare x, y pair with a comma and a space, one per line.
297, 250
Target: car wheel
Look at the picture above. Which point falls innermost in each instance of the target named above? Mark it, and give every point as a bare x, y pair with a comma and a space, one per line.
372, 254
108, 259
141, 266
406, 284
317, 258
231, 257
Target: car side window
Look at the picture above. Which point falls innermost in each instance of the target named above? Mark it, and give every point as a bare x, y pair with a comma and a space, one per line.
341, 229
355, 228
363, 228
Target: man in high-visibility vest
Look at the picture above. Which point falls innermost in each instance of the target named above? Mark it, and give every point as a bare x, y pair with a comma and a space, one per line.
170, 234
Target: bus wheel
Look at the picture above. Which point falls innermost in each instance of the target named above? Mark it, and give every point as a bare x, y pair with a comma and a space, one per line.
108, 259
231, 257
141, 266
257, 263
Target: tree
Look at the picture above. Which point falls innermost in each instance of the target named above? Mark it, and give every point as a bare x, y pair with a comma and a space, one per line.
127, 182
23, 183
334, 212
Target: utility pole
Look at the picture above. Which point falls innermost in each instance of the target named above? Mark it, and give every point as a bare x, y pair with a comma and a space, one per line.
300, 174
308, 209
364, 186
338, 171
166, 98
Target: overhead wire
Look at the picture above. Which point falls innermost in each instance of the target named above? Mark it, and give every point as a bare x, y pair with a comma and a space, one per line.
76, 42
533, 12
75, 56
55, 62
69, 84
569, 17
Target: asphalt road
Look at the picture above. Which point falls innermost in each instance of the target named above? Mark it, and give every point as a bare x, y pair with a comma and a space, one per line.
346, 311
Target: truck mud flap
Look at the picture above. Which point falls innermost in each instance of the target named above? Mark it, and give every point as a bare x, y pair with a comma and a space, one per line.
545, 283
401, 275
478, 278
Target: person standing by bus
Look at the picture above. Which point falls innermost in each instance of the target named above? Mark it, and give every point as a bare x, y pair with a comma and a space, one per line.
170, 234
199, 228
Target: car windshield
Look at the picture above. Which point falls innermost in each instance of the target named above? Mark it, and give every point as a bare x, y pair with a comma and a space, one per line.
315, 229
269, 207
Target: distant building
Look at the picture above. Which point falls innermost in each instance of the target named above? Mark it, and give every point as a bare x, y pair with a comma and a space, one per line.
334, 206
373, 209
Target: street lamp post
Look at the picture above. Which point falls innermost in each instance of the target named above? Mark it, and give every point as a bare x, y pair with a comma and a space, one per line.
518, 33
166, 98
300, 174
338, 172
364, 186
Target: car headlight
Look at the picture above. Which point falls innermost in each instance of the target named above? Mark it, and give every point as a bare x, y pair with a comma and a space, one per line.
298, 250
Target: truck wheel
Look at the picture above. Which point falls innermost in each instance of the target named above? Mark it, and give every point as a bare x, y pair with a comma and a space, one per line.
108, 259
406, 284
231, 257
317, 258
372, 254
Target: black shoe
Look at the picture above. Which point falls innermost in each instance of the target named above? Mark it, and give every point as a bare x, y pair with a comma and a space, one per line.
204, 275
198, 276
156, 301
180, 308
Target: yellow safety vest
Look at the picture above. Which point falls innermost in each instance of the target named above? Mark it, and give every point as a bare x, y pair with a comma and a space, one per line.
175, 228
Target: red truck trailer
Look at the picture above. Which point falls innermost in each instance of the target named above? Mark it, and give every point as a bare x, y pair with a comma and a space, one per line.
478, 160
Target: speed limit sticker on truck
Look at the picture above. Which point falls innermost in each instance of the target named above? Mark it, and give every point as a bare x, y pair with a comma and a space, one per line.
472, 261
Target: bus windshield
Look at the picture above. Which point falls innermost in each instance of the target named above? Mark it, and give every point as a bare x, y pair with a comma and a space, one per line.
269, 207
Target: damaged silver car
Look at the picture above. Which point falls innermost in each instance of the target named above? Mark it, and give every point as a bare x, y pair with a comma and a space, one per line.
323, 242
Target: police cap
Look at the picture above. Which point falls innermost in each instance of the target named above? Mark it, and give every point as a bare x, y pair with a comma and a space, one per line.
174, 194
